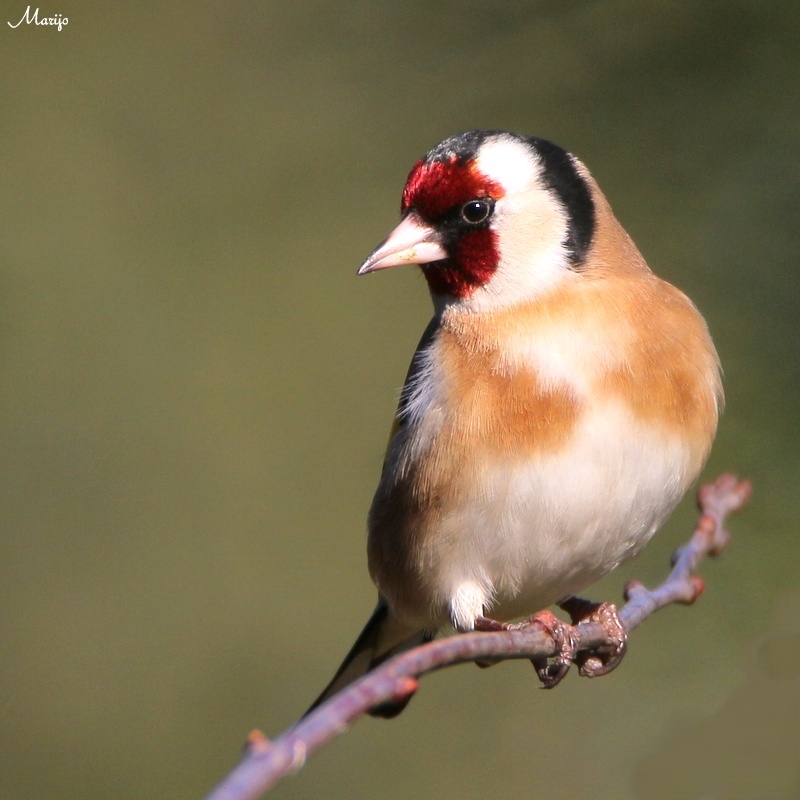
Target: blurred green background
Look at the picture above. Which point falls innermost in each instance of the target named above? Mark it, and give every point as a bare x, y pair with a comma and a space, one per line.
196, 389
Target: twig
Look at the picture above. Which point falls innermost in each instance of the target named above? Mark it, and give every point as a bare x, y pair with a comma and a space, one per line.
266, 762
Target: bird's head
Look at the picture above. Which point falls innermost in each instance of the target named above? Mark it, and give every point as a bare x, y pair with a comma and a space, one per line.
492, 218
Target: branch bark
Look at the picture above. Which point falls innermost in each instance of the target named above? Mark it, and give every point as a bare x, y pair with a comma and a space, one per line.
267, 762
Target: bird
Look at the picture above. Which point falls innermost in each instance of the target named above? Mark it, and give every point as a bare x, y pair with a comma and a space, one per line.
561, 401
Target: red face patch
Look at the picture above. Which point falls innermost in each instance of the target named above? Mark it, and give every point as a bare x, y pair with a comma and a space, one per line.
436, 191
473, 263
437, 187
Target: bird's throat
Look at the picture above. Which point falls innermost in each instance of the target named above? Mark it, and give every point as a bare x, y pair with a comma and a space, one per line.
475, 260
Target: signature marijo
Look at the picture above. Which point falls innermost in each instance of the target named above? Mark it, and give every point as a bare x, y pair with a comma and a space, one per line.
28, 18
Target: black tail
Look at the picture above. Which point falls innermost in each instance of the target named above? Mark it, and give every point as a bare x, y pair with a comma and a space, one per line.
383, 637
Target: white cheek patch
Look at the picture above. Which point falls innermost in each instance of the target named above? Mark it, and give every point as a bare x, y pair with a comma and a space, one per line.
531, 230
531, 227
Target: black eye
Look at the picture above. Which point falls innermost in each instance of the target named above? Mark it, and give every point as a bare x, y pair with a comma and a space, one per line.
476, 211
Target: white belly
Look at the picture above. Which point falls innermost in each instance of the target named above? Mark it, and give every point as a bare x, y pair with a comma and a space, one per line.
536, 531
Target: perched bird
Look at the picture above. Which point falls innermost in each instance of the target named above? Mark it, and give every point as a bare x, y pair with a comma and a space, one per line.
560, 403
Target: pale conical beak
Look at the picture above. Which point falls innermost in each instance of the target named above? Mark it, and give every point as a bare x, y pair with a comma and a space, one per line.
411, 242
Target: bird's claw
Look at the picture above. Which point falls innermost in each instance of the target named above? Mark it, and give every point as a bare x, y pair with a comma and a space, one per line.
564, 636
591, 663
566, 641
605, 658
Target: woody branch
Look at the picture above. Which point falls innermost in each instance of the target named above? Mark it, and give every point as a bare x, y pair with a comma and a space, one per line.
266, 762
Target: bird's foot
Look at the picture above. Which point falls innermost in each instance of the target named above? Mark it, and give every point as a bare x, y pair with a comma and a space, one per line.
591, 663
603, 659
563, 634
566, 640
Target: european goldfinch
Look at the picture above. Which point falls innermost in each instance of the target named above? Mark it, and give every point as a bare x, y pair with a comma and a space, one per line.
560, 403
